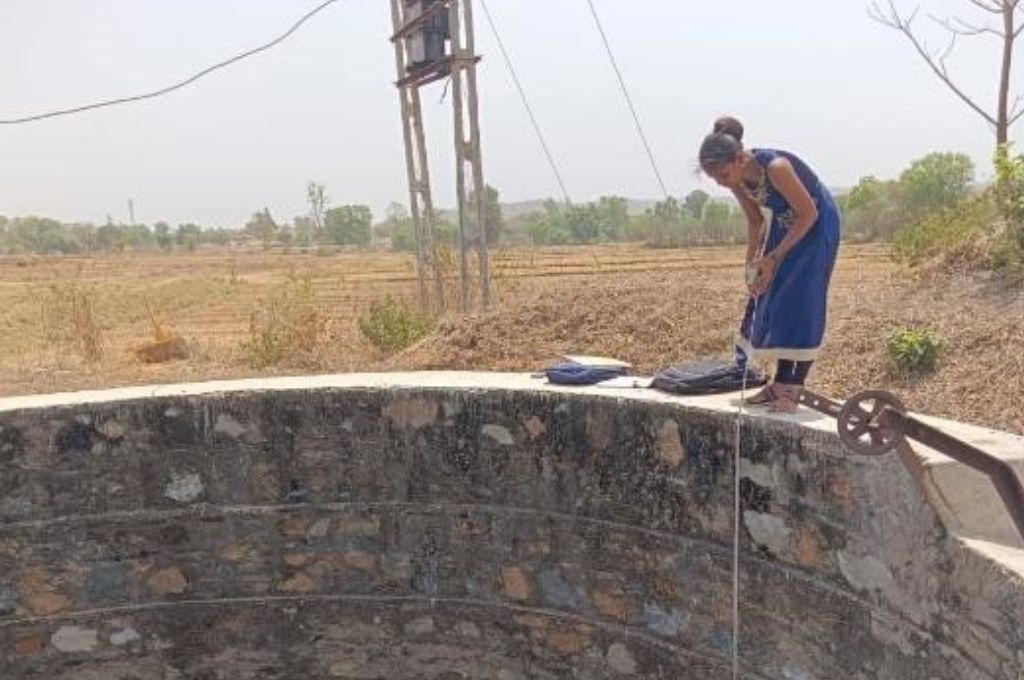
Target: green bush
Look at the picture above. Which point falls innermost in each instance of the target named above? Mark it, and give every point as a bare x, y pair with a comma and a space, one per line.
1007, 257
912, 352
943, 231
390, 327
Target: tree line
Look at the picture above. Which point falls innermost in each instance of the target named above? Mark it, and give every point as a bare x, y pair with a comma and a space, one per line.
874, 209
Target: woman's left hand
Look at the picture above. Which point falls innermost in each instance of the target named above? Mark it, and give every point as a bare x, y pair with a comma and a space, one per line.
765, 272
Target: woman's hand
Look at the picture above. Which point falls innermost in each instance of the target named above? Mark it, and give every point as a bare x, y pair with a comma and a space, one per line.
763, 269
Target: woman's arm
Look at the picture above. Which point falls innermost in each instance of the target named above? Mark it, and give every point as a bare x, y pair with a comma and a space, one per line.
755, 222
784, 178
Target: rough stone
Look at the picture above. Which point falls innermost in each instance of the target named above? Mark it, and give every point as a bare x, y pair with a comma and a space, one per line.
45, 604
412, 413
229, 426
29, 646
112, 430
558, 592
621, 660
515, 583
423, 625
467, 629
768, 530
170, 581
184, 488
611, 605
106, 581
565, 642
123, 637
71, 639
498, 434
670, 446
535, 427
299, 583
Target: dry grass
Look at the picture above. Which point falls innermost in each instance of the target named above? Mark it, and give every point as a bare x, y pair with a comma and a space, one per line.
652, 308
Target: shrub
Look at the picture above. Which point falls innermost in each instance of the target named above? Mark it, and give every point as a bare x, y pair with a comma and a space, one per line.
390, 327
912, 352
69, 318
943, 231
287, 325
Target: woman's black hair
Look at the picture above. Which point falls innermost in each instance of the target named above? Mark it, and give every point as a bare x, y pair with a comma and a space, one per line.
723, 145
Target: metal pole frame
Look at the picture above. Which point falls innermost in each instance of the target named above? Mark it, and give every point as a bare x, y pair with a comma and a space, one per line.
461, 66
417, 169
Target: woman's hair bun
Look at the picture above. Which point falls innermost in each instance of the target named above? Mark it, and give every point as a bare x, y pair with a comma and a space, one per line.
727, 125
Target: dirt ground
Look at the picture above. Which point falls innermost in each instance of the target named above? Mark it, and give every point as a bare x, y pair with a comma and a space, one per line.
651, 308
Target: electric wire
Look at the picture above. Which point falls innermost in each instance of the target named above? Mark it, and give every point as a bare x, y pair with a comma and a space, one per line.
629, 100
526, 101
166, 90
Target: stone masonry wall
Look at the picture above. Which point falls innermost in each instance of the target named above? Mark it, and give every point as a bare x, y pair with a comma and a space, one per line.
435, 534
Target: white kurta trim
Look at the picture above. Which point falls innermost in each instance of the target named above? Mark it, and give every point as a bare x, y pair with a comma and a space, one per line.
772, 354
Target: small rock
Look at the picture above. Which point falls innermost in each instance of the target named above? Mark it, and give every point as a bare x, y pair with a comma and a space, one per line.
184, 488
421, 626
669, 445
498, 434
112, 430
70, 639
29, 646
620, 660
515, 583
44, 604
565, 642
123, 637
168, 582
229, 426
467, 629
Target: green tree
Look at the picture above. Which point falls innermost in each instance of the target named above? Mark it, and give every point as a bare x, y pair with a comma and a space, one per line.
716, 220
695, 202
162, 231
262, 226
493, 217
316, 197
188, 236
936, 181
613, 217
348, 225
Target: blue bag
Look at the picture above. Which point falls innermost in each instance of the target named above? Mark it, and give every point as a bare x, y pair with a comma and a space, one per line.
572, 373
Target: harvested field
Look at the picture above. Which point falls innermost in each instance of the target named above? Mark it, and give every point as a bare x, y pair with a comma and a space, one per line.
649, 307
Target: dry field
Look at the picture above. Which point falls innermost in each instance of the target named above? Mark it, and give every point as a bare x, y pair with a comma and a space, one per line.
649, 307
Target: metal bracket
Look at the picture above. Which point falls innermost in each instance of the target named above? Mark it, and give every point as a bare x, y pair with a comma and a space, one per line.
874, 423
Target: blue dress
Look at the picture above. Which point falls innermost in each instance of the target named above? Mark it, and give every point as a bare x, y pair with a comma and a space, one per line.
787, 322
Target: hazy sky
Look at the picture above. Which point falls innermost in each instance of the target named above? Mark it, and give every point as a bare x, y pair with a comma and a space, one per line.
817, 77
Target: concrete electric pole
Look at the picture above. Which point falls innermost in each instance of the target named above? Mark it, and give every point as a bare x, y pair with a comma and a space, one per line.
433, 40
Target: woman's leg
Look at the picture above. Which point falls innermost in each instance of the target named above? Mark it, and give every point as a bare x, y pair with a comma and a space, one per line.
792, 372
789, 383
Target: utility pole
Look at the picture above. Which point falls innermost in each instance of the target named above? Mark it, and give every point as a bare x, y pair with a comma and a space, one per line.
433, 40
131, 212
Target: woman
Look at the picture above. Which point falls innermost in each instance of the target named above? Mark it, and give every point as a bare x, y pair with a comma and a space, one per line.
789, 271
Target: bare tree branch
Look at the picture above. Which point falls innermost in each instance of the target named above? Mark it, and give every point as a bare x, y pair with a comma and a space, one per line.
996, 6
960, 27
1014, 113
937, 62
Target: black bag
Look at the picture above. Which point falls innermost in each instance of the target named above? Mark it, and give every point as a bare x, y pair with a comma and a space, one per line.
706, 377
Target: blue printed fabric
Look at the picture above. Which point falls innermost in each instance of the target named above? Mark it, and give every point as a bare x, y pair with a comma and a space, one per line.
788, 320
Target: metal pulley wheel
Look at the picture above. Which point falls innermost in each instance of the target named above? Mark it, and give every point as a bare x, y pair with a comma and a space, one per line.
859, 428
